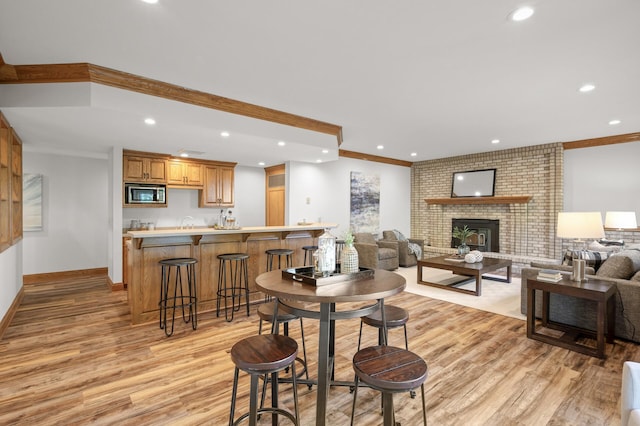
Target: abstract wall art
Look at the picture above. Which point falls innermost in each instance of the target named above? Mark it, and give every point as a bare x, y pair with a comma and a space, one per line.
365, 202
32, 202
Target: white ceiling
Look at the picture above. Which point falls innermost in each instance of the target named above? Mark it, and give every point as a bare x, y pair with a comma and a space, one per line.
439, 78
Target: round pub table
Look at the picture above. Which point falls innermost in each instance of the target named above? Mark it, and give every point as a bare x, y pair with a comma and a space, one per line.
382, 284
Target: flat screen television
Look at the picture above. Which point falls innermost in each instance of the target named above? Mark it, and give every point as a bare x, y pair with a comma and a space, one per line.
474, 183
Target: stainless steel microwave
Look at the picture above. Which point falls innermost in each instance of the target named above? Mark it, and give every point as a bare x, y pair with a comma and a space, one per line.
140, 193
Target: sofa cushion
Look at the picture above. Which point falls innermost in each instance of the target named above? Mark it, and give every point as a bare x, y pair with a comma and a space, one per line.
636, 276
386, 253
593, 258
616, 267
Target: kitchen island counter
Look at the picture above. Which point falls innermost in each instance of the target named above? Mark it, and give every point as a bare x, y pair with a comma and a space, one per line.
148, 247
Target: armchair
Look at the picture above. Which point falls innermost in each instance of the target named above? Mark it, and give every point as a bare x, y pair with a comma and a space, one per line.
376, 254
406, 256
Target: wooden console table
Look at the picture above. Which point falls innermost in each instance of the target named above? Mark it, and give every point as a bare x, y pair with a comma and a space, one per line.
599, 291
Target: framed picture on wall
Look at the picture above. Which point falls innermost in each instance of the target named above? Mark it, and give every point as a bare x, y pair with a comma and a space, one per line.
32, 202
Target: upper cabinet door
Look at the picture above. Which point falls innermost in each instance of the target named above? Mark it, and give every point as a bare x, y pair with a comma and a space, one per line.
183, 173
144, 169
218, 187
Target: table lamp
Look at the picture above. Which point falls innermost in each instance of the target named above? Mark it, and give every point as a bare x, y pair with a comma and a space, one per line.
620, 220
579, 226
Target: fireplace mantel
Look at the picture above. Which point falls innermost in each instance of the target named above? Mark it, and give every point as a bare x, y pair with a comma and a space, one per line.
513, 199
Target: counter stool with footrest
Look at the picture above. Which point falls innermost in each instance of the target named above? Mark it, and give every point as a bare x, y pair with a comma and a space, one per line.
188, 296
389, 370
279, 254
233, 281
261, 355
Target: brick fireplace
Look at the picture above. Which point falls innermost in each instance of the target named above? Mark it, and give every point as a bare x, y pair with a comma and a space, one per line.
526, 225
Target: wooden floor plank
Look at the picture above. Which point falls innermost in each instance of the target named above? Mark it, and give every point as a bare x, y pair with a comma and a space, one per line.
70, 356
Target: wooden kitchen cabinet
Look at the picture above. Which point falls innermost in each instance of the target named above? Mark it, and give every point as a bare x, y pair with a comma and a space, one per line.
218, 186
5, 185
184, 173
138, 168
16, 187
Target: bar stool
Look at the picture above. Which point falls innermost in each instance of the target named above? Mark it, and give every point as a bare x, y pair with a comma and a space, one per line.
188, 297
339, 248
308, 252
233, 277
287, 253
279, 253
265, 312
389, 370
261, 355
395, 316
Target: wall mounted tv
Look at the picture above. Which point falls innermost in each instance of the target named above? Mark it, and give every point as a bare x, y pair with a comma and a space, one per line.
474, 183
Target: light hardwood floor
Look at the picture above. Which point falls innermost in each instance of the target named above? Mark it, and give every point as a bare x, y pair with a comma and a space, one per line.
71, 357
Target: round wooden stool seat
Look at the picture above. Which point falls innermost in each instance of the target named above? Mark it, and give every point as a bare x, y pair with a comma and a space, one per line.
389, 370
394, 315
265, 312
262, 355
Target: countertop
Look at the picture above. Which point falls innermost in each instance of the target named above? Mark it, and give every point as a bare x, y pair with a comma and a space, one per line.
176, 232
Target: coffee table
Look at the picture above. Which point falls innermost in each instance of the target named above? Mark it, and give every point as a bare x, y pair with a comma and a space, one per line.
468, 271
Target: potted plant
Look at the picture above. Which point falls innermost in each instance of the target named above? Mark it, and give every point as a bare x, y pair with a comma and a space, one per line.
461, 234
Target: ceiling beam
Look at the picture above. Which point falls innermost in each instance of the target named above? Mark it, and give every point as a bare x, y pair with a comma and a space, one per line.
607, 140
85, 72
376, 158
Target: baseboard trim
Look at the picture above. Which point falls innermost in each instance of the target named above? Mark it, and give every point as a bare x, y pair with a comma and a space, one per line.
4, 324
55, 276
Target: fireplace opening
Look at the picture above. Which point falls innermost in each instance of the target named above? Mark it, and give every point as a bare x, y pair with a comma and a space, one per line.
486, 237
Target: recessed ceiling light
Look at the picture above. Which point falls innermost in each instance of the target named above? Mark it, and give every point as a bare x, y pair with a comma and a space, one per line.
325, 151
318, 161
184, 154
380, 147
614, 122
261, 163
150, 1
224, 134
587, 87
149, 121
281, 143
522, 14
495, 141
414, 154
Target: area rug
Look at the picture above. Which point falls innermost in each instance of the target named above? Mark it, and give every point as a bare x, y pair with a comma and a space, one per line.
497, 297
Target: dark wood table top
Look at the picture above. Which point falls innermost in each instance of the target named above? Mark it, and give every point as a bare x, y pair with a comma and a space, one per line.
383, 284
487, 262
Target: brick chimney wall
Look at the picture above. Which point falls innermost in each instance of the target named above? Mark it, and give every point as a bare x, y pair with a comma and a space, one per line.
525, 229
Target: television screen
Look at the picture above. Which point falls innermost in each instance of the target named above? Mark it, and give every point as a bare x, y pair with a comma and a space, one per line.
475, 183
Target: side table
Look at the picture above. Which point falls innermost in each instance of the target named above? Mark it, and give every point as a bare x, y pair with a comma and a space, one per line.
599, 291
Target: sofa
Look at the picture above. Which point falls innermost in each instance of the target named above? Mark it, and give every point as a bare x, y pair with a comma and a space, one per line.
622, 268
409, 249
376, 254
630, 394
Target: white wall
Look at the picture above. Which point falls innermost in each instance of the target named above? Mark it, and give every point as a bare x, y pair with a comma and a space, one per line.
328, 187
10, 276
603, 178
74, 211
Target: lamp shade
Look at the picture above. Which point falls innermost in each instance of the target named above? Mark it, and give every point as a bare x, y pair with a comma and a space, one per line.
580, 225
620, 220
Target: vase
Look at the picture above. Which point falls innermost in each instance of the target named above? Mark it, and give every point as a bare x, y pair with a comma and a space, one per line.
463, 249
349, 260
326, 253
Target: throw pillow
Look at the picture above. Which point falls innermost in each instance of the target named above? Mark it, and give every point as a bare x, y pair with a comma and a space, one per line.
616, 267
593, 258
596, 246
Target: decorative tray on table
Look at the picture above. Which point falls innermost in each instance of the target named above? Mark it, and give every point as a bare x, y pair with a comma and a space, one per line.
307, 275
